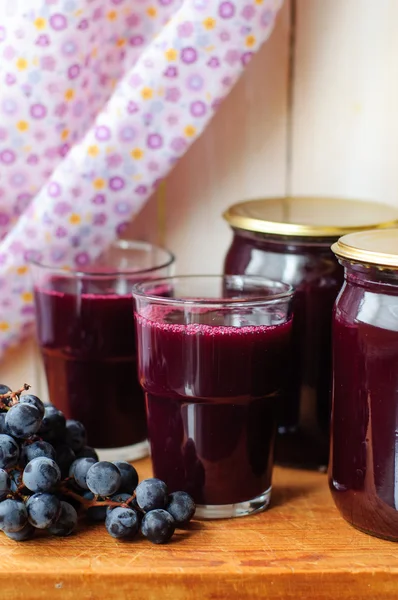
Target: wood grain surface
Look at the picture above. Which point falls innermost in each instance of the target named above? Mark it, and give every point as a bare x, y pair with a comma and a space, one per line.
299, 548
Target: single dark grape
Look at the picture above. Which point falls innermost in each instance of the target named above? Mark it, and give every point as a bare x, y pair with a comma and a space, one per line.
120, 497
23, 420
34, 450
24, 534
151, 494
75, 436
43, 510
129, 476
41, 474
181, 507
103, 478
13, 515
95, 513
9, 451
64, 458
33, 401
5, 484
157, 526
53, 426
66, 522
122, 523
79, 469
87, 452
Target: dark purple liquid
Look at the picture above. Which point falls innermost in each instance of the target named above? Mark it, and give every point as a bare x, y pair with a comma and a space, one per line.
364, 457
312, 269
212, 394
88, 346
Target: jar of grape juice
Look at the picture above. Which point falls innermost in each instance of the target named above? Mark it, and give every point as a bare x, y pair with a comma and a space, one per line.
363, 471
289, 239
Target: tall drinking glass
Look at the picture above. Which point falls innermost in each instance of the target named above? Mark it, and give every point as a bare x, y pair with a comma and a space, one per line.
85, 328
213, 353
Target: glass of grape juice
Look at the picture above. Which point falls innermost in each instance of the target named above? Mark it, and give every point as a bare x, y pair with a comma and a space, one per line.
85, 329
213, 353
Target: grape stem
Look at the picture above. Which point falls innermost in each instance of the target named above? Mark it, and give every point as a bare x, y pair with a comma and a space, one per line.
86, 503
13, 396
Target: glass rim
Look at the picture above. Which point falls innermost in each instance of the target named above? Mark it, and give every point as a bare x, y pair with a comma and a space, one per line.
122, 244
138, 291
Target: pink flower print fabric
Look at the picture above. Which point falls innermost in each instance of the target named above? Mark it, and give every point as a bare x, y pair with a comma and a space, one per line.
98, 100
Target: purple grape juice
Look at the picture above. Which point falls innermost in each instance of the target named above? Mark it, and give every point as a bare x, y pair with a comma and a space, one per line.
363, 469
88, 346
212, 393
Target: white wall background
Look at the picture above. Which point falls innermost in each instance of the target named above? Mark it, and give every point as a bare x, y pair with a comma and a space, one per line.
345, 99
315, 113
242, 154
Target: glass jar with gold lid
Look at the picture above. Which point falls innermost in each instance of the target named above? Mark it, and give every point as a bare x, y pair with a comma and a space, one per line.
363, 470
289, 239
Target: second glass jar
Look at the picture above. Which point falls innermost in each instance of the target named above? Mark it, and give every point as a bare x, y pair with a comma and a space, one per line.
289, 239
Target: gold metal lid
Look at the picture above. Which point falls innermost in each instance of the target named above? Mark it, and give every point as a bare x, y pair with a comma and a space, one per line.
377, 247
310, 216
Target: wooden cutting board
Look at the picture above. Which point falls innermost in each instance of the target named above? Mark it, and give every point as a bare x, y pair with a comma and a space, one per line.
300, 548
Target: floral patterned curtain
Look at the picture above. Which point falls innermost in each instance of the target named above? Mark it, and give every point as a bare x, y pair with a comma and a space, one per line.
98, 100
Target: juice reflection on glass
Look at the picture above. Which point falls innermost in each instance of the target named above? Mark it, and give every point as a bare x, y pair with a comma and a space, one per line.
85, 327
212, 358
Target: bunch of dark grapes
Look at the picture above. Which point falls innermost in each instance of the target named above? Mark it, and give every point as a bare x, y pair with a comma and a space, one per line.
48, 475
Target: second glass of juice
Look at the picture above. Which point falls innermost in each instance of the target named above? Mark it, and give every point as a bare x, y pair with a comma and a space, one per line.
213, 356
85, 328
